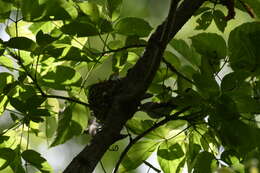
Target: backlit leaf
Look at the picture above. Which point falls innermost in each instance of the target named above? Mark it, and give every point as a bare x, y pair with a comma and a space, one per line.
137, 154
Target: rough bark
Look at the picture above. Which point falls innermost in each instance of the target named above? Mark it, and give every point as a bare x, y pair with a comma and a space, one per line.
133, 87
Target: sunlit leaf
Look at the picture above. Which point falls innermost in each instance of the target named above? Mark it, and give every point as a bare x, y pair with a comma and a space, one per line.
169, 156
60, 77
137, 154
73, 122
90, 9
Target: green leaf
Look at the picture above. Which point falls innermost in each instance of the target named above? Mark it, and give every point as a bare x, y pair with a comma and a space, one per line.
105, 26
234, 84
204, 21
169, 156
201, 10
239, 136
48, 10
36, 160
220, 20
34, 101
243, 47
255, 5
21, 43
44, 39
5, 79
80, 115
54, 79
113, 6
73, 122
132, 26
203, 162
4, 138
80, 29
5, 7
138, 125
90, 9
207, 85
7, 156
247, 105
3, 103
137, 154
18, 104
51, 125
203, 45
74, 54
37, 115
69, 7
16, 164
187, 52
7, 62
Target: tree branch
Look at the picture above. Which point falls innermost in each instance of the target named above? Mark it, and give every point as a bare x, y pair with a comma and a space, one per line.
133, 87
173, 69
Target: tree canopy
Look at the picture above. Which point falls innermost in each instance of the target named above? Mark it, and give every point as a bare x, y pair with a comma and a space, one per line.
79, 68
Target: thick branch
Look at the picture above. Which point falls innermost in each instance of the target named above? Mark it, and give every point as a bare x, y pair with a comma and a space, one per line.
133, 87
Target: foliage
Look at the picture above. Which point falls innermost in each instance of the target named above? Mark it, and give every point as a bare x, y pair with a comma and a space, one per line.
50, 63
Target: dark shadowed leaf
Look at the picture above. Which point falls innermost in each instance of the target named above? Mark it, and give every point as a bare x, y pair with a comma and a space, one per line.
131, 26
21, 43
80, 29
36, 160
220, 20
113, 6
44, 39
7, 156
243, 46
210, 45
203, 162
204, 21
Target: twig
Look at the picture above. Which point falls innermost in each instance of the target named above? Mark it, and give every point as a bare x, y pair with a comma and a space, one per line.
66, 98
151, 166
102, 166
175, 71
122, 48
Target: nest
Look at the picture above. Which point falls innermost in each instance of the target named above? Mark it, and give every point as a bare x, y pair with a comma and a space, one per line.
101, 96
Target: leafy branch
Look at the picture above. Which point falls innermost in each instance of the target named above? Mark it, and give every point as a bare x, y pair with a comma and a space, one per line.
38, 86
155, 126
133, 87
